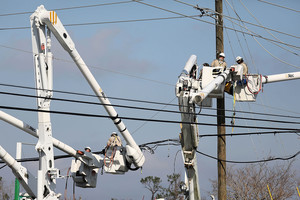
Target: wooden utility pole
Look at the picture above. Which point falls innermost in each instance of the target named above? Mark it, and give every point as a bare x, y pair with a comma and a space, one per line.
220, 108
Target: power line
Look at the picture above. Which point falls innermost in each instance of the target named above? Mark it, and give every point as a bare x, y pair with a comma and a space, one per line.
273, 4
96, 67
248, 162
105, 22
260, 43
125, 2
144, 108
272, 41
183, 16
133, 20
143, 101
251, 34
69, 8
267, 29
140, 119
225, 16
2, 166
159, 143
251, 133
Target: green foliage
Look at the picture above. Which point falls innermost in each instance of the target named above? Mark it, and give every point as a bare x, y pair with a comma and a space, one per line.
3, 192
172, 192
152, 184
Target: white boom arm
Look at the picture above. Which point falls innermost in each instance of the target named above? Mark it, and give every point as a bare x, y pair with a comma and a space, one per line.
42, 17
215, 83
32, 131
27, 180
280, 77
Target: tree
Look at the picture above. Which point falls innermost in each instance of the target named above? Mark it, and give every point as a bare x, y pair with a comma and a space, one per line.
252, 182
152, 184
4, 193
173, 191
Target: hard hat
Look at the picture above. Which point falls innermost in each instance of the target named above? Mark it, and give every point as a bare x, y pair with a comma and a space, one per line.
113, 133
88, 148
222, 54
238, 58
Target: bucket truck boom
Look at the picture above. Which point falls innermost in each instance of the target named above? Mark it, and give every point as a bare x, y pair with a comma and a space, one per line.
41, 19
193, 89
86, 166
43, 23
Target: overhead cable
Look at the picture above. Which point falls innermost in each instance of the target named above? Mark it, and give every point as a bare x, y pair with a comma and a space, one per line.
69, 8
3, 165
141, 119
268, 30
226, 16
96, 67
262, 45
144, 101
254, 161
251, 133
251, 34
273, 4
176, 143
105, 22
139, 1
144, 108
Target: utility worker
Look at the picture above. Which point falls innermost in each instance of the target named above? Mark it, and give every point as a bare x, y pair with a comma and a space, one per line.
114, 140
87, 149
240, 61
220, 62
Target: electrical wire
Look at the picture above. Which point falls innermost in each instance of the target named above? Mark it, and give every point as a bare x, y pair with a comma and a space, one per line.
246, 42
244, 26
144, 108
95, 67
250, 133
248, 162
267, 30
143, 101
160, 110
69, 8
2, 166
191, 17
226, 16
141, 119
279, 6
272, 41
248, 33
176, 143
124, 2
126, 21
105, 22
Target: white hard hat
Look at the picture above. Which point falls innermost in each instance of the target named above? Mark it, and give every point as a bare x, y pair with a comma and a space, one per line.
222, 54
113, 133
88, 148
238, 58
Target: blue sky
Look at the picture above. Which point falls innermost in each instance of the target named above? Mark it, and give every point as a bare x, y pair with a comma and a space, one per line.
142, 60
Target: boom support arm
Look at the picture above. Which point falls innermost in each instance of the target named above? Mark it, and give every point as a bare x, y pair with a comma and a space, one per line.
27, 180
32, 131
280, 77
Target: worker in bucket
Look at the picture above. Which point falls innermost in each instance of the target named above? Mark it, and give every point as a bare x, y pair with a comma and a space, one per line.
220, 62
114, 140
87, 149
240, 61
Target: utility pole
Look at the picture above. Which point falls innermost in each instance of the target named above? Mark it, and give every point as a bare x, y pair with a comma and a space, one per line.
220, 108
